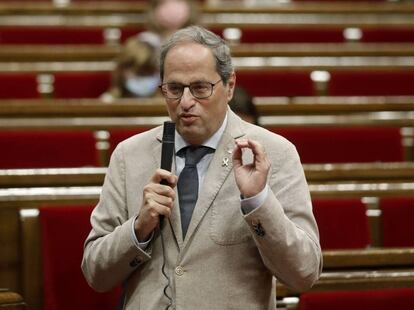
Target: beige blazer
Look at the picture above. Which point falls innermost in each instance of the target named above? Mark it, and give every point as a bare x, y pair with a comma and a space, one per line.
227, 260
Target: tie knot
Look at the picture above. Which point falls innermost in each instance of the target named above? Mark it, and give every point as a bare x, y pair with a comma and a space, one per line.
193, 154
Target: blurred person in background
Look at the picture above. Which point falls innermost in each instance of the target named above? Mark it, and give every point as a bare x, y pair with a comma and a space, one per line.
137, 71
167, 16
242, 104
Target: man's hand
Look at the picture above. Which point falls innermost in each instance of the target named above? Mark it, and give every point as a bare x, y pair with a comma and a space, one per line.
158, 200
250, 178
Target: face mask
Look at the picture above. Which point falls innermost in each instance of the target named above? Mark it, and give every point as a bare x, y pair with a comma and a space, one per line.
143, 86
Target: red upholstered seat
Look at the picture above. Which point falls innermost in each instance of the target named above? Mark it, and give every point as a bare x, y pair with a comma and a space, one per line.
288, 35
276, 83
63, 233
18, 85
51, 35
371, 83
81, 84
342, 223
390, 34
397, 221
345, 144
381, 299
47, 149
118, 135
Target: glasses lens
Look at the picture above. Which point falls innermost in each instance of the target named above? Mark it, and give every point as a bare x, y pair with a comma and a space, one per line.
172, 90
201, 90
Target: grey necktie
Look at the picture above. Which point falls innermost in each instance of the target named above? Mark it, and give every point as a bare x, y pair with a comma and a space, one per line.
188, 182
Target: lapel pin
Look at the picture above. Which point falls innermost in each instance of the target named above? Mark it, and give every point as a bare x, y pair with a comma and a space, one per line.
225, 162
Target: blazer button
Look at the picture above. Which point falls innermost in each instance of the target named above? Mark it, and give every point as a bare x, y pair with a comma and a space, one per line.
179, 271
134, 263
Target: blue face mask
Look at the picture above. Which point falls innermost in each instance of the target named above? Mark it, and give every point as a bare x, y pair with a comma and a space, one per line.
143, 86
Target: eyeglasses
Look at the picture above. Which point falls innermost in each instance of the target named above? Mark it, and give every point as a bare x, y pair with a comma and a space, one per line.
200, 90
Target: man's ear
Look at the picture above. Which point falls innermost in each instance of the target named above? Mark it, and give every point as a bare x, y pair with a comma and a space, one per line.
231, 84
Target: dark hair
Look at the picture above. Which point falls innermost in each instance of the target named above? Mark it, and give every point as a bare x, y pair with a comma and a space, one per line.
242, 104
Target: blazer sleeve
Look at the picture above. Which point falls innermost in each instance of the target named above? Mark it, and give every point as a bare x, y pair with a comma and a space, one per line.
110, 254
284, 228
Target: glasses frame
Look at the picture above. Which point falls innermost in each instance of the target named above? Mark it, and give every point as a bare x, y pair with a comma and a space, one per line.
184, 86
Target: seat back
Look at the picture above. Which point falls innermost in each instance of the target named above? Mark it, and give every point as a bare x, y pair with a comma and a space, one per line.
81, 84
51, 35
397, 215
47, 149
287, 34
371, 83
345, 144
18, 85
118, 135
342, 223
63, 233
276, 82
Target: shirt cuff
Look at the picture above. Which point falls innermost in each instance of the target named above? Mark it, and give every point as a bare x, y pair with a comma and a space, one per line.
140, 245
252, 203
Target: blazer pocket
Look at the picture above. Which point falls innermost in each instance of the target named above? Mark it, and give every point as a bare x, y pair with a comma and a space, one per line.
227, 225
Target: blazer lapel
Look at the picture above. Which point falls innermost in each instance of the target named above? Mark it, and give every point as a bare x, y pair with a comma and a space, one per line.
219, 169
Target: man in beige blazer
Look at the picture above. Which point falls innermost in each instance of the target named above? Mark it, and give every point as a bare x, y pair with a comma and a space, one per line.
252, 223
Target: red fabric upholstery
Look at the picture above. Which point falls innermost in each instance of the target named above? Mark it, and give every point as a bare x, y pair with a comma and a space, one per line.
119, 135
397, 220
18, 85
60, 35
276, 83
342, 223
47, 149
345, 144
371, 83
63, 233
399, 34
288, 35
81, 84
127, 32
51, 35
382, 299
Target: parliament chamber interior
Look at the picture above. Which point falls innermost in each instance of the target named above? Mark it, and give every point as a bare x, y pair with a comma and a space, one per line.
336, 78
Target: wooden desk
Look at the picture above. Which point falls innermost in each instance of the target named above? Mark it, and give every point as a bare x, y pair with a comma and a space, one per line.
274, 63
357, 280
42, 53
315, 174
226, 14
274, 111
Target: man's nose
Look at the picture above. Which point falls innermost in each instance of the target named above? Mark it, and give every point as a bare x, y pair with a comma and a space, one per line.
187, 99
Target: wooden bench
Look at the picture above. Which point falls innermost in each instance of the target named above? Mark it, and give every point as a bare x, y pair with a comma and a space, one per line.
260, 76
370, 173
357, 280
18, 209
215, 13
367, 267
41, 53
360, 269
284, 111
275, 112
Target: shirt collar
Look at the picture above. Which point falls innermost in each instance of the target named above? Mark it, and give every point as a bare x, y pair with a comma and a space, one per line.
212, 142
